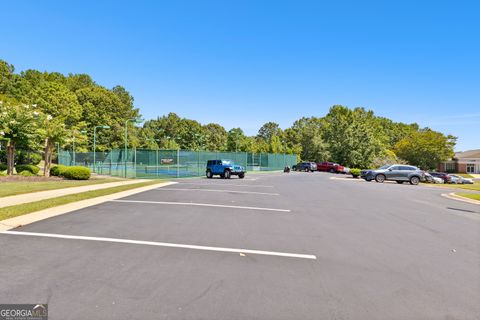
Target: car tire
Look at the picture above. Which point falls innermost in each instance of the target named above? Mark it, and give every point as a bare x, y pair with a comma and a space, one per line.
241, 175
209, 174
380, 178
332, 171
306, 169
222, 176
227, 174
400, 182
414, 180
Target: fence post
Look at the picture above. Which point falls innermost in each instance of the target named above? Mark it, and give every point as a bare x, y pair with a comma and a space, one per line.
157, 168
178, 162
198, 163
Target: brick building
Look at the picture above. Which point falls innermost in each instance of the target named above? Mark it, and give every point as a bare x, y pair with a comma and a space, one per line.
463, 162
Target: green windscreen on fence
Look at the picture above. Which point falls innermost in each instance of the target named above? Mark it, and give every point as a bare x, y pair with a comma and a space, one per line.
136, 163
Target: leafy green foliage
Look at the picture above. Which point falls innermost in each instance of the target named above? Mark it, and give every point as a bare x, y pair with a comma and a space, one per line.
27, 157
355, 172
26, 173
425, 148
58, 170
3, 167
27, 167
77, 173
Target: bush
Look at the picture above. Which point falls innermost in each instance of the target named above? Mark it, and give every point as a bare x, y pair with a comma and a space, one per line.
77, 173
28, 157
27, 167
355, 172
58, 170
3, 167
26, 173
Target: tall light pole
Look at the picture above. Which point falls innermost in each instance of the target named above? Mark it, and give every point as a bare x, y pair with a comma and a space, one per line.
95, 144
134, 120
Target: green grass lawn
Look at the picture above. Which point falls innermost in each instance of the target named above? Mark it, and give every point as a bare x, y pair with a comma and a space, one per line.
11, 188
21, 209
474, 196
475, 186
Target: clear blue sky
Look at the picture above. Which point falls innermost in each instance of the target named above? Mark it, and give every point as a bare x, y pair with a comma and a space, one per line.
243, 63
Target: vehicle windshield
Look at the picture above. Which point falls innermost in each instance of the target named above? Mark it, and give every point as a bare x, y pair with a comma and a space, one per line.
385, 166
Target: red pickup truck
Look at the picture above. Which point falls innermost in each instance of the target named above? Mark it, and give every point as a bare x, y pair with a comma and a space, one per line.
330, 167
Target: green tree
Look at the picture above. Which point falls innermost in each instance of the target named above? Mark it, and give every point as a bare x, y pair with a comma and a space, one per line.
62, 111
306, 136
19, 125
216, 137
100, 107
235, 139
269, 130
426, 148
353, 137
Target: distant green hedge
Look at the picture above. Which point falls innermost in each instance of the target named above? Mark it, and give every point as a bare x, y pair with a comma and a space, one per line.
3, 167
27, 167
58, 170
77, 173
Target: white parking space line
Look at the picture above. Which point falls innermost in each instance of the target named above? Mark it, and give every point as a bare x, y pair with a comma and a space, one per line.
163, 244
202, 205
225, 184
217, 190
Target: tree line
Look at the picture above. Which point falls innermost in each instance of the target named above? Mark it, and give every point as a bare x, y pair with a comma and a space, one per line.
40, 110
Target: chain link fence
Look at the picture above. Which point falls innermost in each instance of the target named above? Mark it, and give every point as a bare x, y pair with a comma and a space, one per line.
169, 163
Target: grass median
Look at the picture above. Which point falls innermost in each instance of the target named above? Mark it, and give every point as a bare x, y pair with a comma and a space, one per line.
475, 186
21, 209
12, 188
473, 196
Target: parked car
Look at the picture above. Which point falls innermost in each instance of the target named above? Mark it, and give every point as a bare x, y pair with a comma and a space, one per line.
460, 179
224, 168
432, 179
398, 172
442, 175
305, 166
330, 167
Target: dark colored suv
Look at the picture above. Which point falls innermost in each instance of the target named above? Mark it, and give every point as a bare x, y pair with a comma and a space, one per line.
398, 172
305, 166
224, 168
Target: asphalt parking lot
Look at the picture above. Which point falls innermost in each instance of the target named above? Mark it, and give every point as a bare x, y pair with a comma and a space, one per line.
271, 246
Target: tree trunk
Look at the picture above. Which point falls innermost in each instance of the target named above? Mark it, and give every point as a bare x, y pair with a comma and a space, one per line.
47, 158
10, 158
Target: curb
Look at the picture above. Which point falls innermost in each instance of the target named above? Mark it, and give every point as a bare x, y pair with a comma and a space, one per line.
56, 211
453, 196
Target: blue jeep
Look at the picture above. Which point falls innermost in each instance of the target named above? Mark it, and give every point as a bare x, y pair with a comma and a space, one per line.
224, 168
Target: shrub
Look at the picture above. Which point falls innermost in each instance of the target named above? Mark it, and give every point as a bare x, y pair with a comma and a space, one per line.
77, 173
355, 172
26, 173
3, 167
27, 167
28, 157
3, 174
58, 170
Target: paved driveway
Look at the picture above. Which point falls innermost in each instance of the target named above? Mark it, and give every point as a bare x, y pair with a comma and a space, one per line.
272, 246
